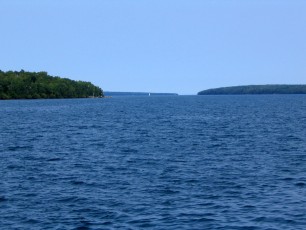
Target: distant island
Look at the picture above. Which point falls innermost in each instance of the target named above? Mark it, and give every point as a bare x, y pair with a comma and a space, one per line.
39, 85
112, 94
256, 89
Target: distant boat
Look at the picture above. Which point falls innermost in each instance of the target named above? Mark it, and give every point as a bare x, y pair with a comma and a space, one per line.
149, 94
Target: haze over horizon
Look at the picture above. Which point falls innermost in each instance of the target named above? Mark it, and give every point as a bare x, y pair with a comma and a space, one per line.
170, 46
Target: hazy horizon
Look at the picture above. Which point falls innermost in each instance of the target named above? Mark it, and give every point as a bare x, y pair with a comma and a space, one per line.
173, 46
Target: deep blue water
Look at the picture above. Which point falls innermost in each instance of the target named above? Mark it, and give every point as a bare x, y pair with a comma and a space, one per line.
187, 162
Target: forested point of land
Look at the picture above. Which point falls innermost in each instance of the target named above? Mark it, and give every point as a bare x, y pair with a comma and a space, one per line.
39, 85
256, 89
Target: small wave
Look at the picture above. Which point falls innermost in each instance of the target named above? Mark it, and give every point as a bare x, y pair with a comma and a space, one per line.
54, 159
77, 182
300, 184
16, 148
82, 228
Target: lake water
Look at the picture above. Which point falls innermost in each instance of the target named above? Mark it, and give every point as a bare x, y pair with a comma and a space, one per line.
186, 162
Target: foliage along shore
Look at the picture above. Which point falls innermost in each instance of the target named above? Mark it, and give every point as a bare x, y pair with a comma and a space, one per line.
40, 85
256, 89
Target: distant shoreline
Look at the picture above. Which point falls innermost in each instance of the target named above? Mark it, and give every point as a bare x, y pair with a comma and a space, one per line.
256, 90
145, 94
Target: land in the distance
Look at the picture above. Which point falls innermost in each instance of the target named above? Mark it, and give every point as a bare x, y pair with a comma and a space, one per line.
112, 94
256, 89
36, 85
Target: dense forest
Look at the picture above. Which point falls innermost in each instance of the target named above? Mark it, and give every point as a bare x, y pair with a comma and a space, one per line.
257, 89
36, 85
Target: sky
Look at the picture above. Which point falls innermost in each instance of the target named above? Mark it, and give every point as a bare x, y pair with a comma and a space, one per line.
175, 46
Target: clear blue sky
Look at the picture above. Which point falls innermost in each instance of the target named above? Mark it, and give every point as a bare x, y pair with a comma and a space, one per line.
181, 46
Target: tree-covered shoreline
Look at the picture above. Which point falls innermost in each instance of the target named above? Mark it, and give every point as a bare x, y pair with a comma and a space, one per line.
256, 89
40, 85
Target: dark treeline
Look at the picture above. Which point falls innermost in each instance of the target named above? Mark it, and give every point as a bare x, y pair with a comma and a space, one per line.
35, 85
257, 89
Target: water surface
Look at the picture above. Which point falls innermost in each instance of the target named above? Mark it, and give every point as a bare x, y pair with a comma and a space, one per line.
187, 162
